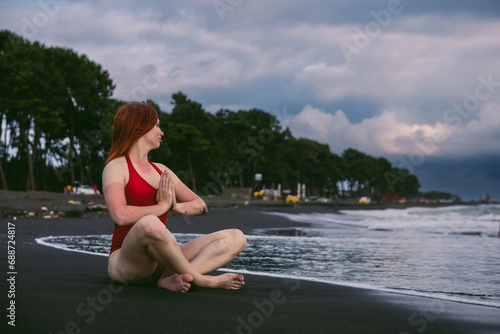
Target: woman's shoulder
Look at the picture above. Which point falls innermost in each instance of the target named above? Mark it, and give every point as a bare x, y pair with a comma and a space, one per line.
116, 165
161, 166
117, 162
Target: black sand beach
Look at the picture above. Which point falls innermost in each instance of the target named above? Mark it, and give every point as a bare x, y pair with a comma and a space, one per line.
67, 292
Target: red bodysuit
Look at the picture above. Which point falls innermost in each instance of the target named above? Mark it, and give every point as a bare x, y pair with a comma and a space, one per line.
138, 192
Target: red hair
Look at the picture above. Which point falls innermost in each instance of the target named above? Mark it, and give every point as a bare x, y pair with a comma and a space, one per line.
132, 121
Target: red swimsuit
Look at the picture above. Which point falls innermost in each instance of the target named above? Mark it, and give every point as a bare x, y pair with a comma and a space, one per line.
138, 192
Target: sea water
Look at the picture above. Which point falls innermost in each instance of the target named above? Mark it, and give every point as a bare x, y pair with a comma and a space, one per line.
448, 252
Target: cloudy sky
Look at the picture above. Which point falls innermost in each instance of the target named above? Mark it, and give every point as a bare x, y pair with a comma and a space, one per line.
417, 82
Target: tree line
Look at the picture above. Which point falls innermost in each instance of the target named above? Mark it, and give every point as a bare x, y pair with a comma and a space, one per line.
57, 112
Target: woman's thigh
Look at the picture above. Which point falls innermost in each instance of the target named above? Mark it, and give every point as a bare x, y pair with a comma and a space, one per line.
133, 263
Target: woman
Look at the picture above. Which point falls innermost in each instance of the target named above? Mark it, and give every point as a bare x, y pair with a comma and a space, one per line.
139, 193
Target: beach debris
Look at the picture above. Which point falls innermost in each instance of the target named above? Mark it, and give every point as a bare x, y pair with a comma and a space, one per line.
49, 215
44, 208
97, 207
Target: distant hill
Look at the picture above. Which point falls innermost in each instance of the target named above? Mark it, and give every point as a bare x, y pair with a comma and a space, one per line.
434, 195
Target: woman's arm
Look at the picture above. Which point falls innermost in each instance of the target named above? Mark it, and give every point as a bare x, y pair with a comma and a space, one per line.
186, 201
113, 182
188, 205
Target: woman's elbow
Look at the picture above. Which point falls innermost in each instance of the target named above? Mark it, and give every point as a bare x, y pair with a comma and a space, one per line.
202, 206
118, 219
204, 209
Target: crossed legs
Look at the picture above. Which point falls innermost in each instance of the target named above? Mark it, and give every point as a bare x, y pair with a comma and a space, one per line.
149, 243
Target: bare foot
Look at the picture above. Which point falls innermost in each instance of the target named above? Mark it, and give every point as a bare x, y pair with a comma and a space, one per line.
227, 281
176, 282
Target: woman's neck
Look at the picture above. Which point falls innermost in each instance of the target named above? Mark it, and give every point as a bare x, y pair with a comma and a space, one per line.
138, 155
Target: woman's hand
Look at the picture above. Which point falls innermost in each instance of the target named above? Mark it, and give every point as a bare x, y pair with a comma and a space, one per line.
166, 191
183, 201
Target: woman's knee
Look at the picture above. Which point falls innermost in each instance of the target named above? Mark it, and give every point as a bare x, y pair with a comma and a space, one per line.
151, 227
238, 239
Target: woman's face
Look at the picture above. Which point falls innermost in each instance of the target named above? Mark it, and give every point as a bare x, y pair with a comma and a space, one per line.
154, 135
